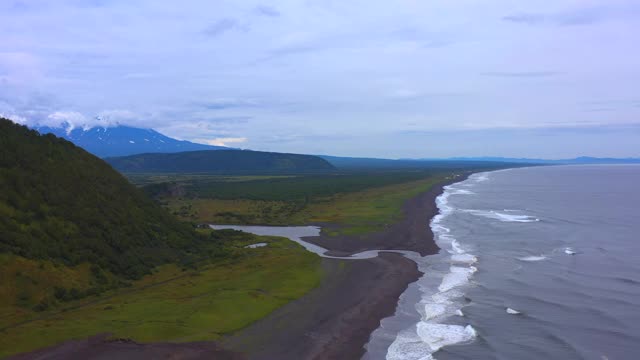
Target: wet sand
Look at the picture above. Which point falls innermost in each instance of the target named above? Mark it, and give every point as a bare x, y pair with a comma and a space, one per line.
333, 321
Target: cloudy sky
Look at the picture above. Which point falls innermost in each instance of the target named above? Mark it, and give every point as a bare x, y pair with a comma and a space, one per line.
421, 78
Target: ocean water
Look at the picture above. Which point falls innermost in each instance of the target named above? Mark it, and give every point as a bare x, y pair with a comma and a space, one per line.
536, 263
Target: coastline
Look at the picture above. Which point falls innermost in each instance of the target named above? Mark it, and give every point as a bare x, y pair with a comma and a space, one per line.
336, 320
333, 321
412, 233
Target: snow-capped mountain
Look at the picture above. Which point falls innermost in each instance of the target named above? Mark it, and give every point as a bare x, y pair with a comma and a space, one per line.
124, 140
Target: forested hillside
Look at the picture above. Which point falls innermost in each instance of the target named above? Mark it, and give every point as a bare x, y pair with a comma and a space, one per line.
60, 203
221, 162
76, 239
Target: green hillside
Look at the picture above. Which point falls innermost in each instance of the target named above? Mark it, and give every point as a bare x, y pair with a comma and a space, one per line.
62, 204
83, 252
221, 162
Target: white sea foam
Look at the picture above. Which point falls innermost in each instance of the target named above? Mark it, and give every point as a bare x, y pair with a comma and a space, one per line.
439, 335
491, 214
427, 339
409, 346
456, 248
437, 305
434, 310
532, 258
513, 312
464, 258
440, 305
457, 277
439, 228
462, 192
569, 251
447, 297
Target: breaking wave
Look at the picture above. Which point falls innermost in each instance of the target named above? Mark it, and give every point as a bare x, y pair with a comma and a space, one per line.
532, 258
491, 214
437, 305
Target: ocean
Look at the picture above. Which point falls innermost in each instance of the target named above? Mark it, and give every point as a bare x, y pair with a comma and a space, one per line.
536, 263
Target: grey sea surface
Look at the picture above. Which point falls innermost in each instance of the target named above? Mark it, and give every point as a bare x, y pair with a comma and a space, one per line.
536, 263
540, 262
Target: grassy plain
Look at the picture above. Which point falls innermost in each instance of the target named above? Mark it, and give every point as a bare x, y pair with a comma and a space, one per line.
173, 304
153, 178
355, 203
365, 211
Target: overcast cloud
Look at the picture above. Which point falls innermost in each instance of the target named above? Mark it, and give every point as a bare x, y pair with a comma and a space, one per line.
364, 78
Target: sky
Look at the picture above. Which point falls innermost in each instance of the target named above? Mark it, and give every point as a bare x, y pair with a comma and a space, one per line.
394, 79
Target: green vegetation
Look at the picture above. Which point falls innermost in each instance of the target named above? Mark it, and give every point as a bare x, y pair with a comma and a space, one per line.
171, 304
357, 203
62, 204
142, 179
298, 189
221, 162
83, 251
368, 164
366, 211
240, 211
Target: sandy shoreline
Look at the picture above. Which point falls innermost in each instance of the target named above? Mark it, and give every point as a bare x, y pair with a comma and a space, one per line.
333, 321
336, 320
411, 233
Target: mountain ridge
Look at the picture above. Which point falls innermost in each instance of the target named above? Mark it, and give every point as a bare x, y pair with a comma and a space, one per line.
368, 162
117, 140
220, 162
122, 140
576, 160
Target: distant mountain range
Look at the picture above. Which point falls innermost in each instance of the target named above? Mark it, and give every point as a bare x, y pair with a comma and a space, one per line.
376, 163
221, 162
578, 160
124, 140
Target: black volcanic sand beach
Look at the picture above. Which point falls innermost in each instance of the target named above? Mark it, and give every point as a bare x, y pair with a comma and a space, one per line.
333, 321
411, 233
101, 347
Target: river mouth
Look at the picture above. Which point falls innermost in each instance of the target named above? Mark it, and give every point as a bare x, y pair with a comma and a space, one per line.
426, 305
298, 233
